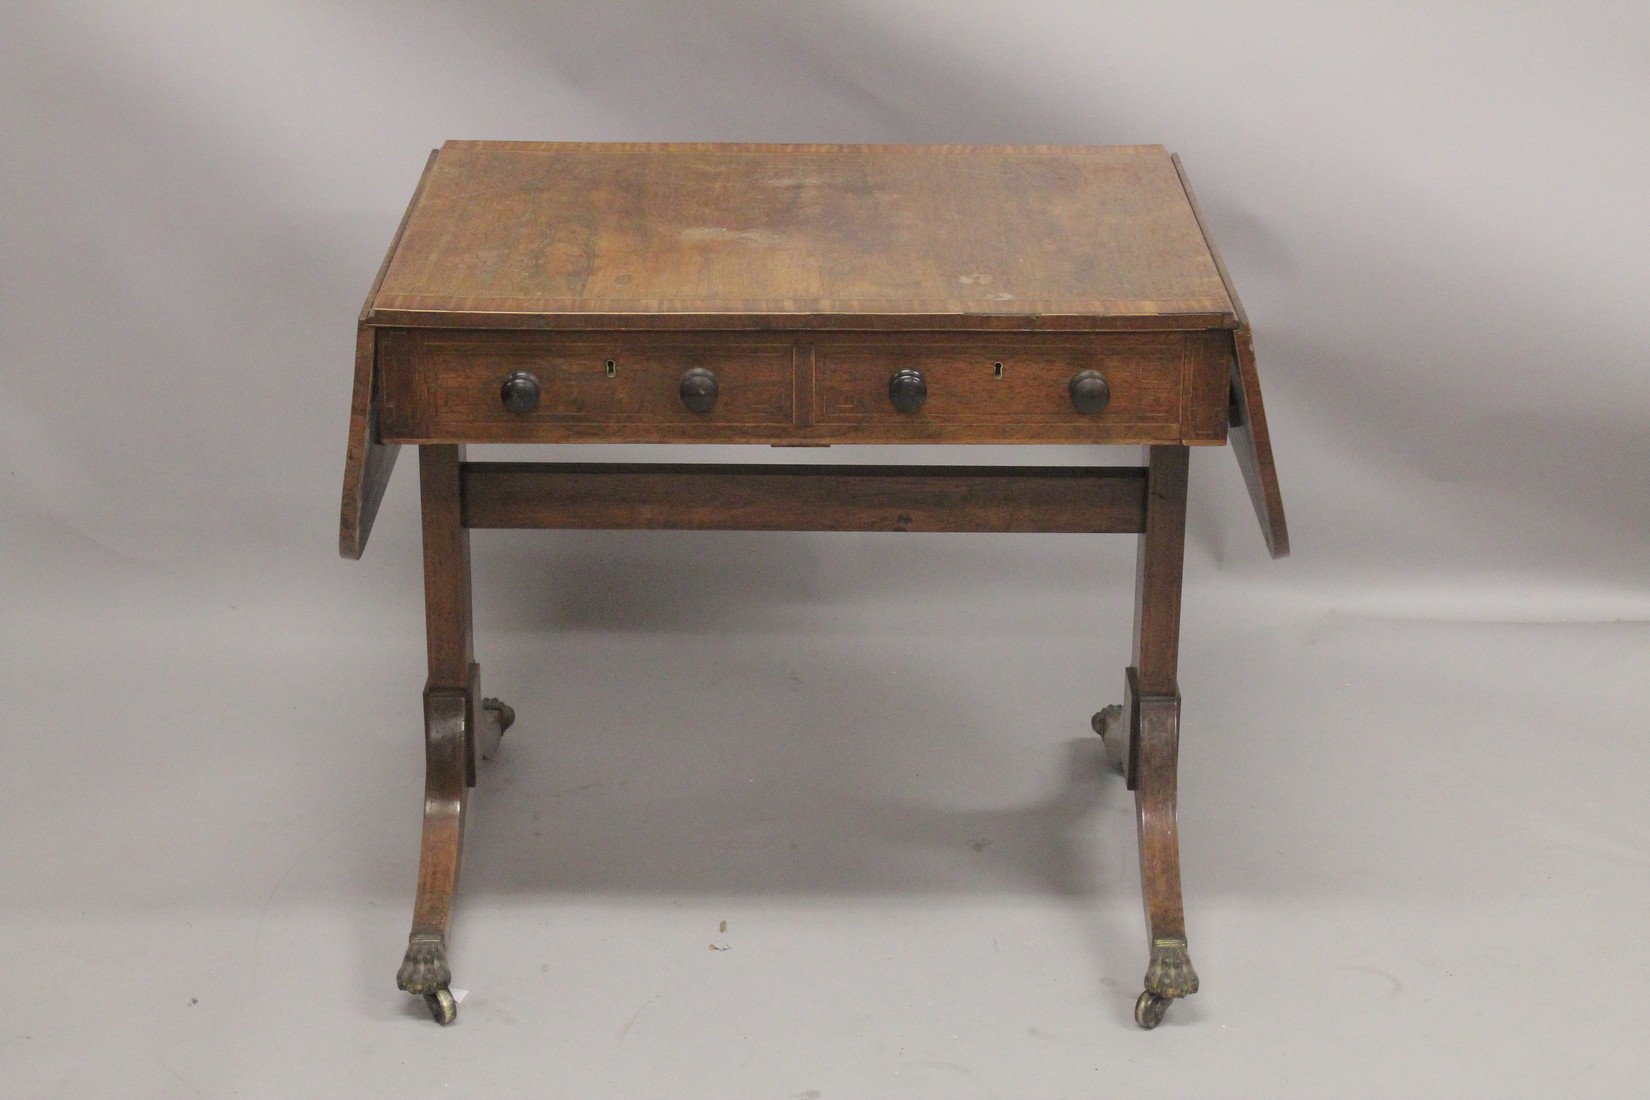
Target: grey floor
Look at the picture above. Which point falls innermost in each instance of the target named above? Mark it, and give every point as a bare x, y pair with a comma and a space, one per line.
1415, 849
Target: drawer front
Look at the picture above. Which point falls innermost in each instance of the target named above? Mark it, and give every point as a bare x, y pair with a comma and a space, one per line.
447, 386
807, 388
1163, 387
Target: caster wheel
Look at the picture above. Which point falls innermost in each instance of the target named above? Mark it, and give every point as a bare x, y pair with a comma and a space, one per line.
445, 1010
506, 713
1149, 1009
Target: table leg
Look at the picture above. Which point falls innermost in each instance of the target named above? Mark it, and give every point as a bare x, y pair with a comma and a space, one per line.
457, 723
1152, 720
424, 971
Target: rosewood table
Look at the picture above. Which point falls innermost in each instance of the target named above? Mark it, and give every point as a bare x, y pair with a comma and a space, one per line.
802, 295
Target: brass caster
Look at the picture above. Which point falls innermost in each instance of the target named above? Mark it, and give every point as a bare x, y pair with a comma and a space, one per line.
503, 712
1108, 724
445, 1010
1149, 1009
425, 973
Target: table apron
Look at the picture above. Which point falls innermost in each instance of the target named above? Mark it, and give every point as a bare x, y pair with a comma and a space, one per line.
767, 497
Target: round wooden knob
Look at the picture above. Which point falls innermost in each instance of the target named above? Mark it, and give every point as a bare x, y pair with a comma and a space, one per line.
907, 390
1089, 392
698, 390
520, 392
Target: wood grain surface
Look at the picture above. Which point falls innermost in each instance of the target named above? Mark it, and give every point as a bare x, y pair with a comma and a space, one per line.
368, 461
444, 385
533, 234
845, 261
705, 497
1251, 441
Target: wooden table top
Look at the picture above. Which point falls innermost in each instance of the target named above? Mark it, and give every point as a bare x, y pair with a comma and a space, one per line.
545, 234
702, 237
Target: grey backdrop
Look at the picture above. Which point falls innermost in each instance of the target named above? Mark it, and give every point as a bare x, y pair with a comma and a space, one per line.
1435, 215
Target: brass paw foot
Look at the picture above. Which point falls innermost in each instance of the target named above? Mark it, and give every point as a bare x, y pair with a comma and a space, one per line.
1170, 973
494, 719
1108, 723
503, 713
1169, 977
424, 972
425, 969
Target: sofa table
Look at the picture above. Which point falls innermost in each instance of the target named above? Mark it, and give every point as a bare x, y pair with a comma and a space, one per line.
802, 295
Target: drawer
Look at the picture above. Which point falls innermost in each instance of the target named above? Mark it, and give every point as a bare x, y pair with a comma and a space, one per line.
441, 386
1162, 388
446, 386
